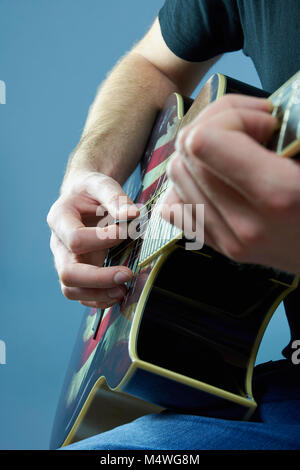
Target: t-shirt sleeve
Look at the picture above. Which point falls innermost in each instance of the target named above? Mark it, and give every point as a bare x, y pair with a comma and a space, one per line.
197, 30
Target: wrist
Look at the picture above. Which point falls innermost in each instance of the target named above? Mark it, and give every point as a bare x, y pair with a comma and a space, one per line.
89, 158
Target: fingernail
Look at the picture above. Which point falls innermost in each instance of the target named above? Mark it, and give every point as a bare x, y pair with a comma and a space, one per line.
115, 293
121, 277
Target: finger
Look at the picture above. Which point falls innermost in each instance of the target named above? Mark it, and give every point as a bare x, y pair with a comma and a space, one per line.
111, 195
169, 216
236, 159
101, 296
84, 275
257, 124
240, 216
218, 231
76, 274
66, 222
65, 217
227, 102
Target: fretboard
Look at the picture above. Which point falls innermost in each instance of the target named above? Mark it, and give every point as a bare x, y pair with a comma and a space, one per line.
155, 231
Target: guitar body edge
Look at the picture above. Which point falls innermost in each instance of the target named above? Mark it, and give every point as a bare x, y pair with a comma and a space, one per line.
105, 409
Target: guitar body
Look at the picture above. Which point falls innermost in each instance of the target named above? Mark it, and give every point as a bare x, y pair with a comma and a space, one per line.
187, 334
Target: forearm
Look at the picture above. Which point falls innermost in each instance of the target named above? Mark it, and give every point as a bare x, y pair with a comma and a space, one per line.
120, 119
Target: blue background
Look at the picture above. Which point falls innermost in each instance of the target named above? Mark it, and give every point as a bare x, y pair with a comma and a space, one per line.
53, 55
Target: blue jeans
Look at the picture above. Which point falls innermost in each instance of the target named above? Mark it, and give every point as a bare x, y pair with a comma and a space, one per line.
274, 426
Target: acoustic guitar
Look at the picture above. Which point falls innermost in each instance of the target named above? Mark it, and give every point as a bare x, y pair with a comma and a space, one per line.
187, 333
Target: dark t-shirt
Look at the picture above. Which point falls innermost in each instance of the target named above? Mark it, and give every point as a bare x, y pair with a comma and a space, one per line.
268, 31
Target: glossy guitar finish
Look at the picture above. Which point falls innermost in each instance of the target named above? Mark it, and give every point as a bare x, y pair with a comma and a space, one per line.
187, 334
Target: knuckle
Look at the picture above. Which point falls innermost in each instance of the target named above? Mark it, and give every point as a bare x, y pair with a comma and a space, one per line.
67, 292
54, 212
248, 238
196, 141
75, 242
192, 139
250, 235
279, 202
66, 277
236, 251
50, 216
118, 199
175, 168
181, 138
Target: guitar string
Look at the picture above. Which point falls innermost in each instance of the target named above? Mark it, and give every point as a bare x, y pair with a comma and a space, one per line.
135, 254
153, 198
114, 255
159, 185
136, 251
155, 195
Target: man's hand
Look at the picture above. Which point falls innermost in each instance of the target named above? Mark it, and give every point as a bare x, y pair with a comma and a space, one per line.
251, 195
80, 246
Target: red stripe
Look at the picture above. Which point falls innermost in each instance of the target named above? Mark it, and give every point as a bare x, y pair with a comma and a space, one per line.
152, 189
160, 154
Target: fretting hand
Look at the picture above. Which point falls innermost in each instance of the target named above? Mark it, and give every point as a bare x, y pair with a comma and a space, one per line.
251, 195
